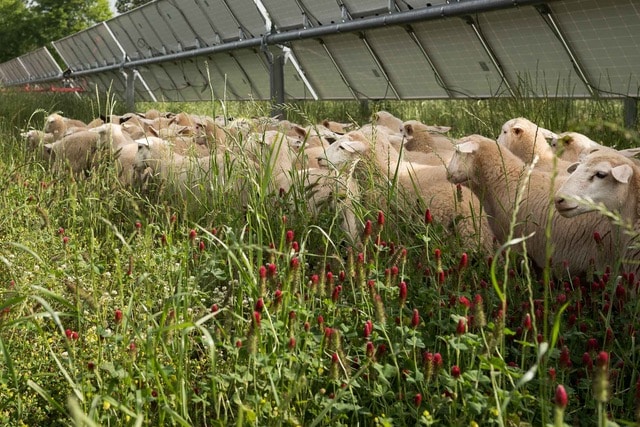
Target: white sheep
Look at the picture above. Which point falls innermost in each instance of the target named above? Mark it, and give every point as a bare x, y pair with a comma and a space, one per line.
388, 120
451, 206
572, 146
112, 135
499, 178
527, 140
611, 180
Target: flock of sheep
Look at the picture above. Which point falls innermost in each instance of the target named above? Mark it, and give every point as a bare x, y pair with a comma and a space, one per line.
531, 182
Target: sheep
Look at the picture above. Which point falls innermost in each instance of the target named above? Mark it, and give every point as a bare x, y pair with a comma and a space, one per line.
501, 179
36, 138
422, 139
388, 120
428, 184
527, 140
572, 146
78, 150
112, 135
337, 127
155, 158
57, 125
610, 180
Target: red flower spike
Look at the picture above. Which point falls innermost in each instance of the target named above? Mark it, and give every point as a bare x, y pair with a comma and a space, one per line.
527, 322
415, 318
277, 296
336, 293
335, 358
201, 245
238, 343
192, 234
370, 349
61, 231
138, 225
602, 361
367, 228
307, 326
437, 360
65, 240
289, 236
464, 301
320, 320
455, 371
552, 374
271, 270
295, 246
561, 399
118, 316
462, 327
292, 343
402, 293
259, 304
214, 308
380, 218
464, 260
417, 399
428, 219
257, 317
294, 263
292, 314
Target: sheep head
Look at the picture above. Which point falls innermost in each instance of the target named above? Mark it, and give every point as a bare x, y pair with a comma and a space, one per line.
602, 178
525, 139
345, 150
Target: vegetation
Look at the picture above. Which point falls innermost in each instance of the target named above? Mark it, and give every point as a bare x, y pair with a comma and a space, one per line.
121, 307
29, 25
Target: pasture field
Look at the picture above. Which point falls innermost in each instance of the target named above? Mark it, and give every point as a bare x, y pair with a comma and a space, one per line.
122, 307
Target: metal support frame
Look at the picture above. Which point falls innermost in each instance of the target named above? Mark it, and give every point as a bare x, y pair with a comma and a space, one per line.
630, 112
129, 98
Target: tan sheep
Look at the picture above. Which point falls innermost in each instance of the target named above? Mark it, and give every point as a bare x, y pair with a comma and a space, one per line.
499, 178
527, 140
35, 139
388, 120
76, 151
422, 138
57, 125
449, 205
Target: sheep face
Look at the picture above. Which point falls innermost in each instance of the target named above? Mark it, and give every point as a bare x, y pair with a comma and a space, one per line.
600, 179
344, 151
460, 168
525, 139
572, 146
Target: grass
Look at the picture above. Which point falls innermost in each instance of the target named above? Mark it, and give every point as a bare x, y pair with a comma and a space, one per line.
128, 308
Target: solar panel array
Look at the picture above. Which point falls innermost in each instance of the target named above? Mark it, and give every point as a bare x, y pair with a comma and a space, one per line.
196, 50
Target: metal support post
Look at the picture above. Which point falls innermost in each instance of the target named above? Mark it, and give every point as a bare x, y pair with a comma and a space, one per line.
129, 96
276, 75
630, 112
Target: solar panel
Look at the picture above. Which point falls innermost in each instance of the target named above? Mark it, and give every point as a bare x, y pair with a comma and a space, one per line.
40, 64
605, 37
532, 57
285, 14
91, 48
322, 12
321, 71
456, 51
361, 8
408, 69
14, 71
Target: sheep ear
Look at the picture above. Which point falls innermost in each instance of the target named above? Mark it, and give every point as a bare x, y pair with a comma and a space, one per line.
353, 146
572, 168
517, 129
408, 129
467, 147
622, 173
153, 131
439, 129
300, 131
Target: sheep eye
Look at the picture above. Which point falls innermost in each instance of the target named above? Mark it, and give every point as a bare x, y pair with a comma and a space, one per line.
601, 175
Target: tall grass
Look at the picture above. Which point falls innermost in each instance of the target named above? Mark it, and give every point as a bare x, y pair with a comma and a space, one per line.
122, 307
